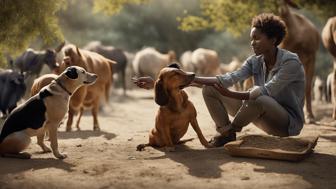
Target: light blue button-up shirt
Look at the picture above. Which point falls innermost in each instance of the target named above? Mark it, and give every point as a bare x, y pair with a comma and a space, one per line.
286, 83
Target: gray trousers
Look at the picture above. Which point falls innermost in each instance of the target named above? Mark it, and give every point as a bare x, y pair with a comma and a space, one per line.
264, 112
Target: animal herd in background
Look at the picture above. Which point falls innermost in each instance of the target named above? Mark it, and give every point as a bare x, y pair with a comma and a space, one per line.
105, 61
329, 41
86, 96
112, 53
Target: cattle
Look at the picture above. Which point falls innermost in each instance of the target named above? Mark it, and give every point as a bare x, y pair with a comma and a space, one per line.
32, 61
329, 42
303, 39
186, 62
234, 65
129, 69
114, 54
204, 62
12, 89
319, 89
329, 93
148, 62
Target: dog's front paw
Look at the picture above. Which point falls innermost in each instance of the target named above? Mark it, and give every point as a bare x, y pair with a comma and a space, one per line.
170, 149
141, 147
96, 128
68, 129
61, 156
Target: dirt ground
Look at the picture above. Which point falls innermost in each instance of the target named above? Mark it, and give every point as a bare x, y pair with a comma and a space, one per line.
108, 159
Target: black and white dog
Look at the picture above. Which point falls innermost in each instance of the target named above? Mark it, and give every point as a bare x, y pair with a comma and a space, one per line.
42, 112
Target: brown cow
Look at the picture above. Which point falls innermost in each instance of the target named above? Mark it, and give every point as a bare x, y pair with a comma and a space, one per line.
112, 53
206, 62
329, 41
149, 62
303, 39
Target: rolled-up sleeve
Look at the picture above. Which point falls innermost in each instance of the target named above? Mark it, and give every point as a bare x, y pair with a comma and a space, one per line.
228, 79
289, 71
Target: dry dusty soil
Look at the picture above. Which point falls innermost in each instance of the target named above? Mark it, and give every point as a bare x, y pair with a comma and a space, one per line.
108, 158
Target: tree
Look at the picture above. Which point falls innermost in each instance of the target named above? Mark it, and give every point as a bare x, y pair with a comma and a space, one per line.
235, 15
22, 21
146, 24
112, 7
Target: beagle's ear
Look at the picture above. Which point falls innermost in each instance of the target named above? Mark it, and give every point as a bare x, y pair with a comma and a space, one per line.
71, 73
161, 96
174, 65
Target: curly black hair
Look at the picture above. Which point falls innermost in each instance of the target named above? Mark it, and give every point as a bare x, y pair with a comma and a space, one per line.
271, 25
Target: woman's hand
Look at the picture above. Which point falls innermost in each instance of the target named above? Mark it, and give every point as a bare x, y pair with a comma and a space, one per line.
144, 82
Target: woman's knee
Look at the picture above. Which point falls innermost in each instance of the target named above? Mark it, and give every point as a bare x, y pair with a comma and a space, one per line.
255, 103
262, 98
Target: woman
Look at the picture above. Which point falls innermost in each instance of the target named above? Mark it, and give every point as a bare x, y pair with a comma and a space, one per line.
274, 104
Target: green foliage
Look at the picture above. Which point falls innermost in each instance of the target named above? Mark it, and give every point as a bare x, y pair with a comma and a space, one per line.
112, 7
21, 21
235, 15
150, 24
231, 15
323, 9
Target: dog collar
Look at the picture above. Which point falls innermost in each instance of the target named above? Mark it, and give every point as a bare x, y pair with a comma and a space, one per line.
62, 86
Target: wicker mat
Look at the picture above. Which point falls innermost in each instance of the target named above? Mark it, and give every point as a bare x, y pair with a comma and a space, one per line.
271, 147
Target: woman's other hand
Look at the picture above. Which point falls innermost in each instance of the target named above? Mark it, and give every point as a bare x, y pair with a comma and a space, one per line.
144, 82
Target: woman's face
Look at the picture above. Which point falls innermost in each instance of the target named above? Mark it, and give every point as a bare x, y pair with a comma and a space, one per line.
260, 42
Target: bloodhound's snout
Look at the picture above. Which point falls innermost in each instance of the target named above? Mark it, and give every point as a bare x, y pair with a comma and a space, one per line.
190, 76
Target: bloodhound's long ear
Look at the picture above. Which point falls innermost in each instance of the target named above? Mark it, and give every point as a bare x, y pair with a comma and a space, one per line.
161, 96
174, 65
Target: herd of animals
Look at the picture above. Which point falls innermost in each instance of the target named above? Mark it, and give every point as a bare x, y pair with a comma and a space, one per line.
302, 38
